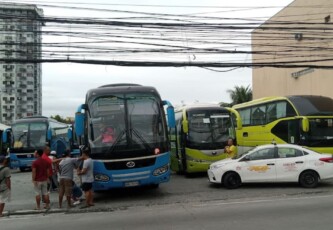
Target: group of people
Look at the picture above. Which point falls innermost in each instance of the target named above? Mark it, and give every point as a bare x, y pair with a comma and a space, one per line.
49, 173
42, 175
45, 169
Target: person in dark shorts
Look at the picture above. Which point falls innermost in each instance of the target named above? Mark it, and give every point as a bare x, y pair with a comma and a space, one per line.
87, 178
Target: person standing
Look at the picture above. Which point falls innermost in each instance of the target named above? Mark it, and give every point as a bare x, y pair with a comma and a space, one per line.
87, 178
40, 174
66, 175
230, 149
47, 158
54, 178
5, 184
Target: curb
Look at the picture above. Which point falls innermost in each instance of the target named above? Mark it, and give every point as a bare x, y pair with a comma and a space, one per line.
57, 210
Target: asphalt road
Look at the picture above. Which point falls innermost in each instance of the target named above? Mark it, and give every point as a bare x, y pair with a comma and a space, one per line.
179, 191
303, 213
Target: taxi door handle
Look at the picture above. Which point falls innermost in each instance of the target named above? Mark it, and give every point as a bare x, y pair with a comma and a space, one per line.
271, 164
299, 162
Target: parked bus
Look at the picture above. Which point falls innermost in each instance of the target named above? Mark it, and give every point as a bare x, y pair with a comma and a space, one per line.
302, 120
125, 128
31, 133
200, 136
3, 146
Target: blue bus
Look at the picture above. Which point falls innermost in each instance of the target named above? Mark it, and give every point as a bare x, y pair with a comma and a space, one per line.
135, 152
35, 132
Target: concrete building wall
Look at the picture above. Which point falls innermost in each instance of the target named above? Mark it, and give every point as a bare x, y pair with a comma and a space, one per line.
20, 83
300, 34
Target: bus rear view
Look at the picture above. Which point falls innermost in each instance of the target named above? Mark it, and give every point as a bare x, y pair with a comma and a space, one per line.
125, 128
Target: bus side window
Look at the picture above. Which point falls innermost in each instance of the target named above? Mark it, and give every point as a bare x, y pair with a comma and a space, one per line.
258, 115
271, 112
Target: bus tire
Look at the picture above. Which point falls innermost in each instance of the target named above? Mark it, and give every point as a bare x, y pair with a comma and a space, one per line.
231, 180
309, 179
154, 186
22, 169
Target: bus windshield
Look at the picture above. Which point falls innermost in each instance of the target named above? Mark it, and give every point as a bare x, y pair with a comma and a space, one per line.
321, 132
126, 122
209, 129
29, 135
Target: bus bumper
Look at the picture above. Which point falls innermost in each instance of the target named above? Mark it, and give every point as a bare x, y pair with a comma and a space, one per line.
16, 162
196, 167
153, 175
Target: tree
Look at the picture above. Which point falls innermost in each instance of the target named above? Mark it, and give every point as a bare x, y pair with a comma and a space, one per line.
240, 94
63, 120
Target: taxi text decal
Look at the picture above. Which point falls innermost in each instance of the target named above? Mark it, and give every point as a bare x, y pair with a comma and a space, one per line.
262, 168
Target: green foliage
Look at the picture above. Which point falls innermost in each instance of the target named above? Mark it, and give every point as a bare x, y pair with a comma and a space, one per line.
240, 94
66, 120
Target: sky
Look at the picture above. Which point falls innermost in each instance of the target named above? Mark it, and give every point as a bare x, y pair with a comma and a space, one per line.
64, 85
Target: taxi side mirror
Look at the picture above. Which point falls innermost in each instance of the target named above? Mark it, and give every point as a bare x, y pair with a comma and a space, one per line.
246, 158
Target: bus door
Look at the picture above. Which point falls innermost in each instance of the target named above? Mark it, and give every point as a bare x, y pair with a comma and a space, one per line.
254, 129
288, 130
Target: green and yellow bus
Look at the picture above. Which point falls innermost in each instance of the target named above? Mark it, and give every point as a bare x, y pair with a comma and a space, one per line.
199, 138
302, 120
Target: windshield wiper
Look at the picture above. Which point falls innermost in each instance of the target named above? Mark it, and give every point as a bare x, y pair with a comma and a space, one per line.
119, 137
142, 139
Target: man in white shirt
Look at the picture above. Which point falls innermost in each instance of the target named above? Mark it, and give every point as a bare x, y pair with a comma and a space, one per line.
66, 174
87, 177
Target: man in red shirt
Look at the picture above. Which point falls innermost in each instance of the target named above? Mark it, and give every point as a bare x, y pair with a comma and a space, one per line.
46, 157
40, 174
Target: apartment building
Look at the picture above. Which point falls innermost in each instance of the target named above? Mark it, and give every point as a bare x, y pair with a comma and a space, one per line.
300, 34
20, 82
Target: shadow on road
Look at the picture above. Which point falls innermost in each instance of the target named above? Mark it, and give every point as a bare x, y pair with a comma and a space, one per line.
126, 194
274, 186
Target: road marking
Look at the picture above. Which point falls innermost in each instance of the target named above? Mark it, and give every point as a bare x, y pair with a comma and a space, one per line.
259, 201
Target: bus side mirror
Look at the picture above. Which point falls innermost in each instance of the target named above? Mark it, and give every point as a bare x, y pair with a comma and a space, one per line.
49, 134
185, 126
70, 134
171, 117
5, 135
79, 124
305, 125
236, 118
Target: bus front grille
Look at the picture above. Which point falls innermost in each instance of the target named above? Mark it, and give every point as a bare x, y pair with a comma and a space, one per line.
126, 165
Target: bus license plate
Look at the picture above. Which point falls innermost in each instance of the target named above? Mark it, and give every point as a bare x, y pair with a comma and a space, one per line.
131, 183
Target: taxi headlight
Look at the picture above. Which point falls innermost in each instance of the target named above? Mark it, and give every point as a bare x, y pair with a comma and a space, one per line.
216, 166
102, 177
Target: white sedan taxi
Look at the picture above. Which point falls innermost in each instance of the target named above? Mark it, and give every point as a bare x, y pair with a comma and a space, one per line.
273, 163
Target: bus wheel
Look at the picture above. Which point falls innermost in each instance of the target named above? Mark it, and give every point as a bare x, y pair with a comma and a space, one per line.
308, 179
231, 180
154, 186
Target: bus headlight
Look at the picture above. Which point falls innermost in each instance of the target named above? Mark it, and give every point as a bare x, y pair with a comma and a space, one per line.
102, 177
14, 162
161, 170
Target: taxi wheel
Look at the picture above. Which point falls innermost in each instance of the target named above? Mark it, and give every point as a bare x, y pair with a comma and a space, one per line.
232, 180
308, 179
